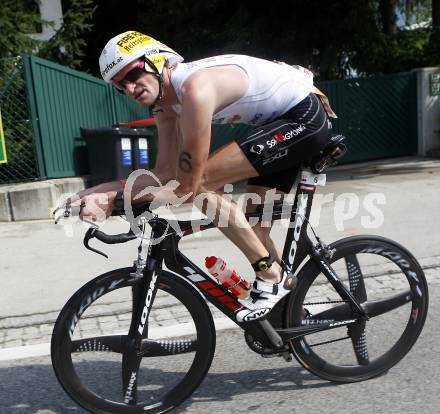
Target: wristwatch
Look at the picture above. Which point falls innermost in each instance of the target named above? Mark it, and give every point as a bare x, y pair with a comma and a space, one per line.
263, 264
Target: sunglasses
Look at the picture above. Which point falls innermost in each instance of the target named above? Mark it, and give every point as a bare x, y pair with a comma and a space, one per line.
132, 76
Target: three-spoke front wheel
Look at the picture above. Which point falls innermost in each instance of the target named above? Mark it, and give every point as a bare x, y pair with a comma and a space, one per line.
95, 358
391, 287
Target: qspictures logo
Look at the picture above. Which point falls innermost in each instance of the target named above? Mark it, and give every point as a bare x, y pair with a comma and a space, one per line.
345, 210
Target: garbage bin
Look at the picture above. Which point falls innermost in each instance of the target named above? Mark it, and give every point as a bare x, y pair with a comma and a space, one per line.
144, 148
115, 152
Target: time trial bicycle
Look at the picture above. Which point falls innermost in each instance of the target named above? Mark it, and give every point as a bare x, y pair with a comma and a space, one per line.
114, 349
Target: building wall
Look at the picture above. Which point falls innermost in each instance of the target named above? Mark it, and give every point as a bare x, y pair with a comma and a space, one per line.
50, 10
428, 113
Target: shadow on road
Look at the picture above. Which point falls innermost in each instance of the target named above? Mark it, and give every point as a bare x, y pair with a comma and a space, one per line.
34, 388
226, 386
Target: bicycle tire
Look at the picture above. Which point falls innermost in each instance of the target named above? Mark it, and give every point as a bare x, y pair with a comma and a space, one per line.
402, 269
63, 347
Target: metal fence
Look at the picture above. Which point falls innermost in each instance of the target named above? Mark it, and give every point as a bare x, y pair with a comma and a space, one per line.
377, 114
43, 107
17, 127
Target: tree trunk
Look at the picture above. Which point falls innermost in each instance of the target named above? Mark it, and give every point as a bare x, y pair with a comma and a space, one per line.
388, 16
436, 14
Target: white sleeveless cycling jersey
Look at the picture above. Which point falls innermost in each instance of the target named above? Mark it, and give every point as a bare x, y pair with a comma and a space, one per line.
274, 88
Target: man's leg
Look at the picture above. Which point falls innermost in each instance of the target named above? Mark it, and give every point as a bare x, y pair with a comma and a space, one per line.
229, 165
278, 146
270, 286
262, 229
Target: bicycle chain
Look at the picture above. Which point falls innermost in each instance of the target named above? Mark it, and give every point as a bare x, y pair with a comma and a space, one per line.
325, 303
331, 341
257, 346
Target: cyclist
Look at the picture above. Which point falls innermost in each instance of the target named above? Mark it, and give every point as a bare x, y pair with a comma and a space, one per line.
291, 119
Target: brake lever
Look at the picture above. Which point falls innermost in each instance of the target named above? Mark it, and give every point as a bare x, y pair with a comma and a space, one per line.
90, 234
65, 212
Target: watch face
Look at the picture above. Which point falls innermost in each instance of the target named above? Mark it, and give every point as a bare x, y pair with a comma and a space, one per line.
263, 265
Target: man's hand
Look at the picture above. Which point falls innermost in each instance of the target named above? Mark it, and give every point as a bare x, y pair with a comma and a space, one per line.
94, 207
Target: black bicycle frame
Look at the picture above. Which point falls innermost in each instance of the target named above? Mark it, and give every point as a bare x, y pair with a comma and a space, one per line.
296, 248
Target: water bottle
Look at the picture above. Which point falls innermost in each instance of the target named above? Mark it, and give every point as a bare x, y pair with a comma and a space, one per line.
227, 277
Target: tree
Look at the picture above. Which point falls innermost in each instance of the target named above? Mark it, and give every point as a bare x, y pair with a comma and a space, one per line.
387, 9
311, 33
436, 14
68, 44
18, 18
335, 38
433, 48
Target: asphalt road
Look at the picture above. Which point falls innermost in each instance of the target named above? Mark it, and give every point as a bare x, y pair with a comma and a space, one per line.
240, 381
41, 266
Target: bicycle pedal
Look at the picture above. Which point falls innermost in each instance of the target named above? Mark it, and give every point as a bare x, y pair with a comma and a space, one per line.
269, 355
287, 356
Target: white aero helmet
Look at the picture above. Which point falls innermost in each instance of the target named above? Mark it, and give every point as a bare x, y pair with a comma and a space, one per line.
130, 46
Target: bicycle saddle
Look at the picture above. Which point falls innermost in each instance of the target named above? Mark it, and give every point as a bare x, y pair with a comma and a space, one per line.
333, 151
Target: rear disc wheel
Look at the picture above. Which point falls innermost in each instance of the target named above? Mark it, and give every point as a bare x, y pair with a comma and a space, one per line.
389, 284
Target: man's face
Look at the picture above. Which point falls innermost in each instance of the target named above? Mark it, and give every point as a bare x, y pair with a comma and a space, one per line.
142, 86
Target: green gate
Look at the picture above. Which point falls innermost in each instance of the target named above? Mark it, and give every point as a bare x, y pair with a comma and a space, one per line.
64, 100
377, 114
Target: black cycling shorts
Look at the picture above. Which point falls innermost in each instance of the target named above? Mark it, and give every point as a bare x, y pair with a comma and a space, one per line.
277, 150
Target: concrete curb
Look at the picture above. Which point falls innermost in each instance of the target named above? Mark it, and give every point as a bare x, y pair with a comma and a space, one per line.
163, 332
5, 210
32, 201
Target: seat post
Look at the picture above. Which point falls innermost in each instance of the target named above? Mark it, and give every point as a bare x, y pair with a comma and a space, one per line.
295, 247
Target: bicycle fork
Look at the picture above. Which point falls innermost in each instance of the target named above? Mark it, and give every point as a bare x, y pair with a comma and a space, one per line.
143, 295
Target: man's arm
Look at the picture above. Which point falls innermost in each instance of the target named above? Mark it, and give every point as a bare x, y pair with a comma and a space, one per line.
198, 105
166, 160
168, 145
186, 161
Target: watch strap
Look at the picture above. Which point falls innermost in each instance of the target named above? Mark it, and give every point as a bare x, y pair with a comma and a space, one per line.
118, 201
263, 264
